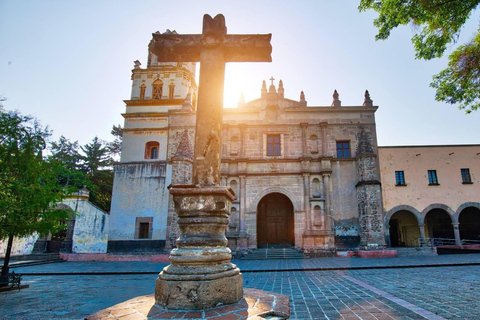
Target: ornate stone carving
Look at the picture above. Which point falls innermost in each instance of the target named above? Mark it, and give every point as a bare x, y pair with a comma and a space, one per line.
364, 142
326, 165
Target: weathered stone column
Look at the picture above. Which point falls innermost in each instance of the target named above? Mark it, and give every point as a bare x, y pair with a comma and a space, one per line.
421, 228
304, 137
200, 275
243, 202
306, 201
328, 210
323, 128
456, 232
243, 128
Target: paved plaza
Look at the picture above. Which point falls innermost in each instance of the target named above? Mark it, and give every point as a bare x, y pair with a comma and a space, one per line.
434, 287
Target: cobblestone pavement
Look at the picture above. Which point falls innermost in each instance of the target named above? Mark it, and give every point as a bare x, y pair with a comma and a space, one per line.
395, 293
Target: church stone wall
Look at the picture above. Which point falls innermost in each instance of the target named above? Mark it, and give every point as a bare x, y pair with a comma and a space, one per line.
90, 232
139, 192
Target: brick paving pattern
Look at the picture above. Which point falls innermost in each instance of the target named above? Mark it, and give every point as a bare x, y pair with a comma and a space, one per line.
441, 292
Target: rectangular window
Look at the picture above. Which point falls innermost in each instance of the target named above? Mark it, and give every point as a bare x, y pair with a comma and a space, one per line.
273, 145
343, 149
143, 230
466, 176
143, 227
399, 178
432, 177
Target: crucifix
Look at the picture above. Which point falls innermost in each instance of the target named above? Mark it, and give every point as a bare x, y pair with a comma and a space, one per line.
213, 48
200, 274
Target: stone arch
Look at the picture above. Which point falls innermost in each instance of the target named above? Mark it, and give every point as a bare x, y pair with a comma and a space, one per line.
416, 213
275, 221
403, 230
440, 206
468, 217
297, 205
464, 206
436, 224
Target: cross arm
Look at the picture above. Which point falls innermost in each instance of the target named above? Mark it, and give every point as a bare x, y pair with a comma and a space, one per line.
176, 47
247, 48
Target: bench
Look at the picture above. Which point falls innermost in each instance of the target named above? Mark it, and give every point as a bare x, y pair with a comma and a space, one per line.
12, 279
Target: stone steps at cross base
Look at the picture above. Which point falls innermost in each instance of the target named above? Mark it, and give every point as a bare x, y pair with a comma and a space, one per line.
415, 251
275, 253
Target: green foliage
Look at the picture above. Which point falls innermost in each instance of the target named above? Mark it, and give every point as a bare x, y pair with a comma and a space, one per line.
97, 164
66, 155
440, 22
115, 146
29, 190
460, 82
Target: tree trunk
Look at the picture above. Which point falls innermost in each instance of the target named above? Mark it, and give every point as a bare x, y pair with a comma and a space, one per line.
7, 256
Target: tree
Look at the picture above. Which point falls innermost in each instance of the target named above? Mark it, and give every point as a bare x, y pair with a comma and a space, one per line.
97, 164
115, 146
66, 154
29, 190
440, 22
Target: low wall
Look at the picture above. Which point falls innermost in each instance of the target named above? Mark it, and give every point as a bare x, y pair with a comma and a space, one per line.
84, 257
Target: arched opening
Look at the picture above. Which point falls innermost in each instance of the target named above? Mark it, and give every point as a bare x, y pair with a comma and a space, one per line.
469, 224
151, 150
404, 230
438, 224
157, 89
275, 223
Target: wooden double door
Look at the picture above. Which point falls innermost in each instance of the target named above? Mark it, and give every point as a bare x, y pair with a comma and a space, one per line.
275, 224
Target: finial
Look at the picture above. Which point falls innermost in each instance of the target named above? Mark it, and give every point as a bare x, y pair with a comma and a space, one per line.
336, 102
281, 91
136, 64
241, 101
271, 79
187, 104
264, 89
367, 102
303, 102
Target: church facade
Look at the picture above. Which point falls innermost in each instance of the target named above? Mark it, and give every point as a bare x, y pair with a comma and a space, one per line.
303, 176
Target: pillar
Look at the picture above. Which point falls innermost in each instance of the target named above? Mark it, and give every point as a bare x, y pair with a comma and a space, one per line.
328, 202
323, 128
243, 128
421, 228
304, 137
242, 202
456, 231
306, 202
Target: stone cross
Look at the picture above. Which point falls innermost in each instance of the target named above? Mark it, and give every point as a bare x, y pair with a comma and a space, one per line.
213, 48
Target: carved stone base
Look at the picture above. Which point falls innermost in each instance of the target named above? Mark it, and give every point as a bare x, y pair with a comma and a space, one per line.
178, 295
318, 240
200, 275
255, 305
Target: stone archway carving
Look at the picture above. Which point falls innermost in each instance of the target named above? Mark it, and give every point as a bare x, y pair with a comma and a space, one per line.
456, 215
443, 207
416, 213
295, 201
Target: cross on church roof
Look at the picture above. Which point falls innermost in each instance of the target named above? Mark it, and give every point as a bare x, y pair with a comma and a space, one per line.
271, 79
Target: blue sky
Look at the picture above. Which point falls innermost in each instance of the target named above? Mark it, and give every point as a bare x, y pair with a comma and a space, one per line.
69, 62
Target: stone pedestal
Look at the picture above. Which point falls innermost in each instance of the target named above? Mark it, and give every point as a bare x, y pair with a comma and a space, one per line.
255, 305
200, 275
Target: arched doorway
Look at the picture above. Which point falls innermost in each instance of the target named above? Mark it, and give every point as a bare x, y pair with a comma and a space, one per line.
438, 224
469, 224
404, 230
275, 224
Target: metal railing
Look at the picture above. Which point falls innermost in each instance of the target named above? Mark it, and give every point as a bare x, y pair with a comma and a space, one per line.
437, 242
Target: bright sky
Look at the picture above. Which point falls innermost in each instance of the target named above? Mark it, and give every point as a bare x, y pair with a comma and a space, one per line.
69, 62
